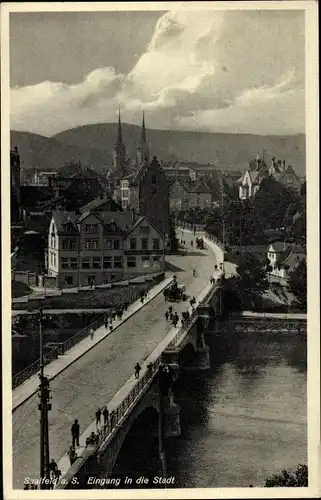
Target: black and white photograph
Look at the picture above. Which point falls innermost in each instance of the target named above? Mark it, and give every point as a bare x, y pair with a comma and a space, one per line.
163, 170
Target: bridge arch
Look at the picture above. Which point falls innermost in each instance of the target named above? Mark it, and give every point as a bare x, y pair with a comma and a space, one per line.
139, 453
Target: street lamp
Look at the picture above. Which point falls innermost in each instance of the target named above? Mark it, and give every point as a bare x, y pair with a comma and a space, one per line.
44, 406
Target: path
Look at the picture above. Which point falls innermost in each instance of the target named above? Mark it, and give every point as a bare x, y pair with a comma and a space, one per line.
96, 377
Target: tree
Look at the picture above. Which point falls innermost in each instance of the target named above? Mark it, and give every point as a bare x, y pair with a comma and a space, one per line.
298, 283
251, 279
288, 478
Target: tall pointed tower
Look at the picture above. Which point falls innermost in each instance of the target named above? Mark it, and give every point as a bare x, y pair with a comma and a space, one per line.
143, 148
119, 153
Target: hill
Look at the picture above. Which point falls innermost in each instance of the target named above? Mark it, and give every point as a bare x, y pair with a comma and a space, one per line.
94, 144
49, 154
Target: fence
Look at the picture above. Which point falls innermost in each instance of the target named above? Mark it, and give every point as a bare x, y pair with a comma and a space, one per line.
53, 354
117, 414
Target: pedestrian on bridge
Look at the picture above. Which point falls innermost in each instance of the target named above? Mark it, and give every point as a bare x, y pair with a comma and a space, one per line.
166, 315
75, 430
126, 305
72, 455
176, 318
105, 415
106, 321
137, 370
91, 333
98, 416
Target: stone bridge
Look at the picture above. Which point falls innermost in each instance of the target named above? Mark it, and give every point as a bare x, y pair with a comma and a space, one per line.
183, 348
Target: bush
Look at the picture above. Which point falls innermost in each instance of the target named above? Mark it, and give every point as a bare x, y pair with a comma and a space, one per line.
288, 478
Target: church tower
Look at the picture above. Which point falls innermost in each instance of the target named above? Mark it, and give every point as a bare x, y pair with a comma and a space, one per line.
119, 153
143, 148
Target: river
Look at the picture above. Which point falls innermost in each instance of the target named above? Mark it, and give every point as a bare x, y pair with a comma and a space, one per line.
245, 418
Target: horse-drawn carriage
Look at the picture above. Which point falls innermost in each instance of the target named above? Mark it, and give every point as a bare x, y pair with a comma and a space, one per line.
175, 293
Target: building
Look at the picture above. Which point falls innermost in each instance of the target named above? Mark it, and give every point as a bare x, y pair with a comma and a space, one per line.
142, 153
15, 187
284, 257
147, 193
249, 183
96, 247
185, 195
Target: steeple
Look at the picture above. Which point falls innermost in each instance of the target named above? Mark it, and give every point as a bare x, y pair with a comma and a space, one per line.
143, 136
119, 131
119, 153
143, 148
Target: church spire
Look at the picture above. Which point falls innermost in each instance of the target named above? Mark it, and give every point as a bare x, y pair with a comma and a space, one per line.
143, 137
119, 130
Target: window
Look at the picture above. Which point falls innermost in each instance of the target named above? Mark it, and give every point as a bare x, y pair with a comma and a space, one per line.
155, 244
107, 262
118, 261
96, 263
73, 263
68, 244
124, 184
133, 244
91, 244
54, 259
68, 280
153, 179
91, 228
145, 261
64, 263
109, 244
144, 243
65, 244
131, 261
156, 259
86, 263
72, 244
124, 194
116, 244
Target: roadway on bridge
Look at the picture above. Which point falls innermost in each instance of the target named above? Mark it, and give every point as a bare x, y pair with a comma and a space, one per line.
94, 379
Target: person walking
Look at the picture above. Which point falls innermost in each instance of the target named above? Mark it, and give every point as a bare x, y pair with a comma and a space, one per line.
105, 415
72, 455
192, 243
137, 370
166, 315
75, 429
98, 416
176, 318
106, 321
91, 333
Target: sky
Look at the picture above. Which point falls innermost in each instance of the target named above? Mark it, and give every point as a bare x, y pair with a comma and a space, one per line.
218, 71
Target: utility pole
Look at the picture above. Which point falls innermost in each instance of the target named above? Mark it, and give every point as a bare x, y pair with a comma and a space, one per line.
161, 421
44, 406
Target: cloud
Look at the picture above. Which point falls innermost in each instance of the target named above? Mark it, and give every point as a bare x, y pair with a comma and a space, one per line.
229, 71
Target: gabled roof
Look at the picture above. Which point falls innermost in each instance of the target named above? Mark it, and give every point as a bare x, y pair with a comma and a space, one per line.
98, 203
62, 217
141, 219
122, 219
279, 246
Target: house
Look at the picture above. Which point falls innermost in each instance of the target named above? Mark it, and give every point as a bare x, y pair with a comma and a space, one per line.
96, 247
185, 195
249, 183
147, 193
284, 257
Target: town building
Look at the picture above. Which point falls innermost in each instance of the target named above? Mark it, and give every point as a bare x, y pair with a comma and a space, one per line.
284, 257
185, 195
249, 182
147, 193
97, 246
15, 187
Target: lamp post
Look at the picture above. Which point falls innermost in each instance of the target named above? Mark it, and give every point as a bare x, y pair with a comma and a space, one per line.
44, 406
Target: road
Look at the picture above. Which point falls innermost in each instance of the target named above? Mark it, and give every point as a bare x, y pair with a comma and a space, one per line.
95, 378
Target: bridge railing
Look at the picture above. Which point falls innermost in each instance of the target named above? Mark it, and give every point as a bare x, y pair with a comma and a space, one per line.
117, 414
33, 368
53, 354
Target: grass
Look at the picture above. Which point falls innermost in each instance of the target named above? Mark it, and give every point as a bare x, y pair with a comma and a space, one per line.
19, 289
